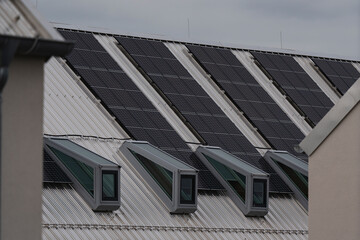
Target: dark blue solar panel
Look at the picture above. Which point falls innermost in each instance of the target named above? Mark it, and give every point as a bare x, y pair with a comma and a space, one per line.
341, 74
52, 173
125, 101
189, 98
249, 96
297, 84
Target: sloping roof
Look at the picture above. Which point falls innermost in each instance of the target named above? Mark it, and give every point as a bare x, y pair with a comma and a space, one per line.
70, 109
19, 18
332, 119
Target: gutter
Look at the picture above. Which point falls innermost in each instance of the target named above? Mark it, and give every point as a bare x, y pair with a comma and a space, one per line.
38, 47
15, 45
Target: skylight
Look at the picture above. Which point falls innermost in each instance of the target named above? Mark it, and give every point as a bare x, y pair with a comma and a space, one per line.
95, 178
172, 180
246, 185
293, 171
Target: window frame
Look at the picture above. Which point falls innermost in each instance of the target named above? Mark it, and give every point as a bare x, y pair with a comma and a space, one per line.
116, 187
241, 167
167, 161
95, 202
292, 162
265, 190
193, 187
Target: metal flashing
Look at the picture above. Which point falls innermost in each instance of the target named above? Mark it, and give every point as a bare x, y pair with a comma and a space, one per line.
247, 61
110, 44
309, 67
183, 56
332, 119
174, 181
357, 66
246, 185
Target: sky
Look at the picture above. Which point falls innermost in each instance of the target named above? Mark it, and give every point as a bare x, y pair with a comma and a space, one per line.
320, 27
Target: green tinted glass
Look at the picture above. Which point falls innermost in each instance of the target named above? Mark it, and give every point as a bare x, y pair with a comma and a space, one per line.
162, 176
259, 192
109, 185
82, 172
300, 180
187, 189
236, 180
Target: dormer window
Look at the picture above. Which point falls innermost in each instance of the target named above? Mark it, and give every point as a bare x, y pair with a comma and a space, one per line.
174, 181
293, 171
95, 178
246, 185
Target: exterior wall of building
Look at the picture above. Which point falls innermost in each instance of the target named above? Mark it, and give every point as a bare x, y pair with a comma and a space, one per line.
334, 173
22, 133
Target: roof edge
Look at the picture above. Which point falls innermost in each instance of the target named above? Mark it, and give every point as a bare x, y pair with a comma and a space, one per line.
331, 120
218, 44
44, 28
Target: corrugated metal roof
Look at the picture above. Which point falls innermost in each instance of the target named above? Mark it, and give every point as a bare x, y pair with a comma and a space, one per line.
20, 18
70, 109
13, 22
142, 211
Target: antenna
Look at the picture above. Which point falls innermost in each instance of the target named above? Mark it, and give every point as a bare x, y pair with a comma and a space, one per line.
281, 45
188, 25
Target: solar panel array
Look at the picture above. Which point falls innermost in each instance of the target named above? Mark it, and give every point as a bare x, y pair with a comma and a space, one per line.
52, 173
341, 74
127, 103
249, 96
296, 83
162, 67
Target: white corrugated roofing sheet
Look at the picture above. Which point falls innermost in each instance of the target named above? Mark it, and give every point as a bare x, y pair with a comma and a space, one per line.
142, 214
70, 109
13, 22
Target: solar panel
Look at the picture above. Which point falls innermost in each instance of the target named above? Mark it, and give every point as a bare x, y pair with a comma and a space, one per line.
52, 173
296, 83
341, 74
120, 96
189, 98
249, 96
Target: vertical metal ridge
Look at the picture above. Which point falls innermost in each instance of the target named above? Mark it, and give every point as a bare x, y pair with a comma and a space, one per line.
309, 67
213, 91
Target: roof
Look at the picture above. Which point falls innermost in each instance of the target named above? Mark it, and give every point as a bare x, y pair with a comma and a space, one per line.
70, 108
260, 100
20, 18
203, 42
332, 119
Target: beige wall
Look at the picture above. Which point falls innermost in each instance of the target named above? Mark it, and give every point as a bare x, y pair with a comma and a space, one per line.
21, 172
334, 189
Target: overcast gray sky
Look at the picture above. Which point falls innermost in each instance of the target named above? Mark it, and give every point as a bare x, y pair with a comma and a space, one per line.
330, 27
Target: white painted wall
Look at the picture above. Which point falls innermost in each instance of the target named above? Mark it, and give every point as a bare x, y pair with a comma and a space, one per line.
22, 150
334, 174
